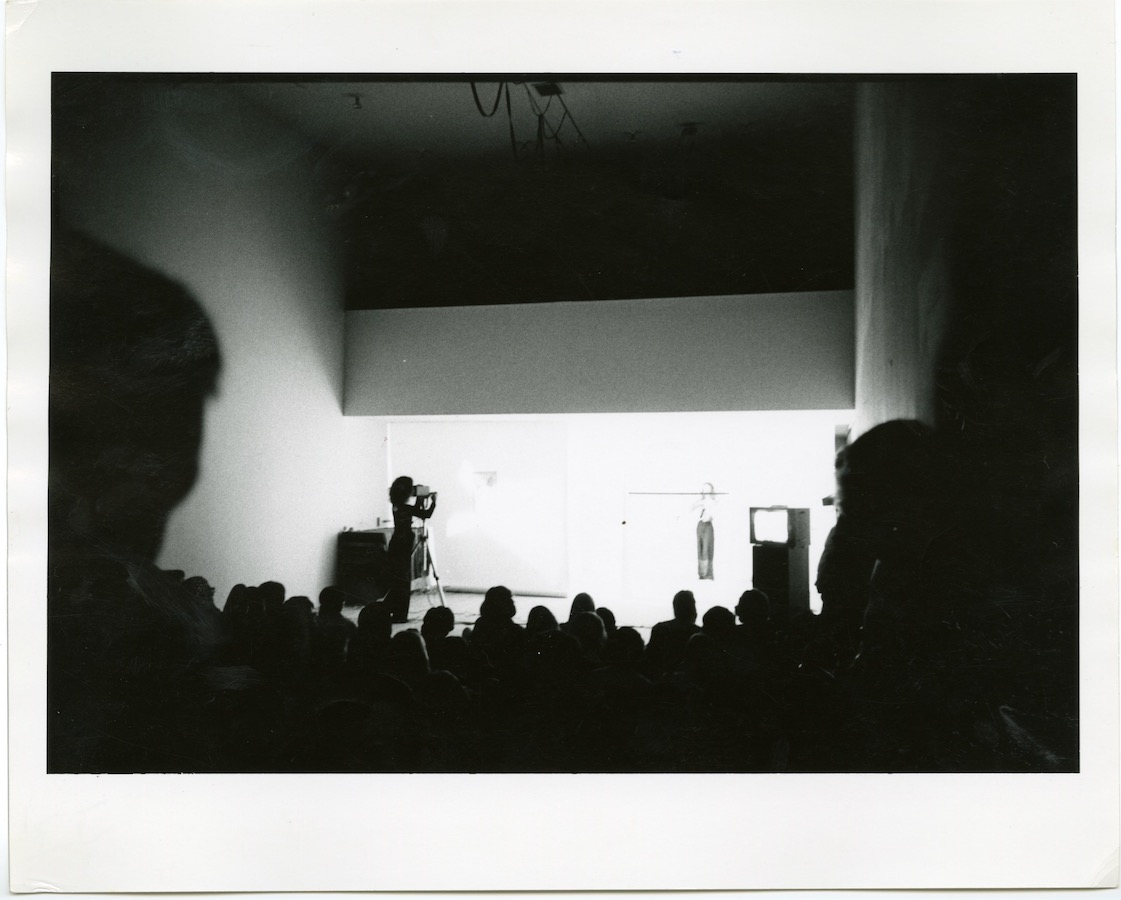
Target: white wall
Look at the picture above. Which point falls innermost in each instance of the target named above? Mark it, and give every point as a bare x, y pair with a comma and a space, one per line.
773, 351
903, 284
223, 200
646, 470
602, 503
506, 528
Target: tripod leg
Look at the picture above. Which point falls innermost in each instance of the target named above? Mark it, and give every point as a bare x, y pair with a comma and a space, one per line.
435, 574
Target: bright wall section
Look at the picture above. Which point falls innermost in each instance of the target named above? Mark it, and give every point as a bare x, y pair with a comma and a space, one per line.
501, 499
757, 352
224, 200
554, 505
903, 283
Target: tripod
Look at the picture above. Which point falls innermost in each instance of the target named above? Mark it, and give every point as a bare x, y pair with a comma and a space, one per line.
424, 547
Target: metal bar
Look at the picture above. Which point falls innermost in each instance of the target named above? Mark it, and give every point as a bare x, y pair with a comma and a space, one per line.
678, 494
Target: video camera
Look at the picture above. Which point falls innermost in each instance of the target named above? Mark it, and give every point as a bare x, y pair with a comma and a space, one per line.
422, 490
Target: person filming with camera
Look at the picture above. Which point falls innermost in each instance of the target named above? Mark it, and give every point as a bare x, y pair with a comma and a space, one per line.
410, 501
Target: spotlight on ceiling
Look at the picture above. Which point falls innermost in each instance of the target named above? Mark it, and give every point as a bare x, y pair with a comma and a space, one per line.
548, 89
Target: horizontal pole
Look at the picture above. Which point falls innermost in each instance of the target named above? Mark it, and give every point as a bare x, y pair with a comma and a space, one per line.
678, 494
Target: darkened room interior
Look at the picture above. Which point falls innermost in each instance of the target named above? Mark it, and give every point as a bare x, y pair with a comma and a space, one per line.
249, 274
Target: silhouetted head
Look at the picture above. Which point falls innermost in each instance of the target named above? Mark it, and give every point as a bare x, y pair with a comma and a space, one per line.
401, 490
624, 648
375, 621
588, 629
885, 473
237, 601
718, 621
581, 603
132, 360
753, 607
540, 620
608, 618
272, 593
330, 601
438, 623
298, 607
199, 588
702, 657
685, 606
498, 603
254, 602
708, 490
408, 654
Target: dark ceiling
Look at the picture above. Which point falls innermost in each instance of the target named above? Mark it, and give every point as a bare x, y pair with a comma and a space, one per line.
451, 191
457, 192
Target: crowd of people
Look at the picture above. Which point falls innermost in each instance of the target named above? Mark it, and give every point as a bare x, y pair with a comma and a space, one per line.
283, 684
947, 640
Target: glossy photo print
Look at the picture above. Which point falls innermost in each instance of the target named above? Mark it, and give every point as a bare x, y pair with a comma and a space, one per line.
511, 447
851, 304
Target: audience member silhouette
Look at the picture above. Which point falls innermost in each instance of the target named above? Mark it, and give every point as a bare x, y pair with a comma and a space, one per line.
368, 651
540, 620
131, 655
495, 632
408, 659
297, 627
668, 639
582, 602
608, 618
844, 572
552, 655
618, 696
719, 623
333, 633
589, 632
437, 625
756, 634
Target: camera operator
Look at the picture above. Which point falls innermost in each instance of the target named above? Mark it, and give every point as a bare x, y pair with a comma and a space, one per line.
409, 501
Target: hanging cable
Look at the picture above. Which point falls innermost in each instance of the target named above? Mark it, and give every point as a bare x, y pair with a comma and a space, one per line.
572, 119
497, 97
544, 129
551, 132
510, 120
533, 102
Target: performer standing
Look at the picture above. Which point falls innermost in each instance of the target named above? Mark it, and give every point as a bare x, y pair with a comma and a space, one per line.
705, 536
409, 502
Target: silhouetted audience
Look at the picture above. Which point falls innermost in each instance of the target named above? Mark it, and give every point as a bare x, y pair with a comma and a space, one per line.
333, 633
495, 632
919, 660
668, 639
435, 629
608, 618
589, 632
132, 360
368, 651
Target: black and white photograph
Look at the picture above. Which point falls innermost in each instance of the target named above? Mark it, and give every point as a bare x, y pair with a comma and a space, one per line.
502, 422
379, 409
